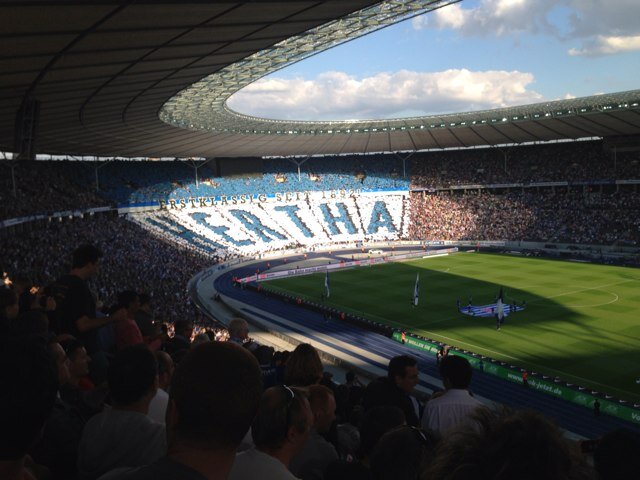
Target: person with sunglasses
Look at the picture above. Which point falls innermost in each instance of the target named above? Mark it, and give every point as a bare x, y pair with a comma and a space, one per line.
280, 430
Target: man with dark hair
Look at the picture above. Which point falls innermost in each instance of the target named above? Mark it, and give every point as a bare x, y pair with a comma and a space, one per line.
452, 408
76, 306
181, 340
124, 436
57, 449
213, 399
127, 331
504, 444
279, 431
396, 389
317, 453
29, 386
78, 391
616, 455
402, 453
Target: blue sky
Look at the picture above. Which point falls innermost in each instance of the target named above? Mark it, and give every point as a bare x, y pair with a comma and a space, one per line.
473, 55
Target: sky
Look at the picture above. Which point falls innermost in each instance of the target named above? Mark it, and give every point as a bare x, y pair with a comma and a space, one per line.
473, 55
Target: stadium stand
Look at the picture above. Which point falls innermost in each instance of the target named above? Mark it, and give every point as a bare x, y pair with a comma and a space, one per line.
158, 251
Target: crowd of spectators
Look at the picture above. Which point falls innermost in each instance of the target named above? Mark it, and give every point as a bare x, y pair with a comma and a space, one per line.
574, 217
197, 409
249, 229
133, 260
44, 188
564, 162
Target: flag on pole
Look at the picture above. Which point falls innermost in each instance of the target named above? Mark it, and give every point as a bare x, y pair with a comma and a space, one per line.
416, 290
326, 283
500, 314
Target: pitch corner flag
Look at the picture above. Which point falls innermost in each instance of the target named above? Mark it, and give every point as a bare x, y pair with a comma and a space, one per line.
326, 283
416, 290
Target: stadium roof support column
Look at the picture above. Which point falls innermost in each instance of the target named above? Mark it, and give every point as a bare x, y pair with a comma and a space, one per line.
12, 166
505, 154
98, 167
25, 129
404, 160
195, 165
299, 163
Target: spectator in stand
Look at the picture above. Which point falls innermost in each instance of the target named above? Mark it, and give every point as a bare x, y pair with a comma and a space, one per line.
508, 445
280, 430
127, 331
396, 389
238, 331
181, 339
303, 367
29, 388
159, 403
76, 310
33, 322
317, 453
375, 423
144, 317
403, 453
8, 307
124, 436
79, 391
453, 407
57, 448
616, 455
214, 397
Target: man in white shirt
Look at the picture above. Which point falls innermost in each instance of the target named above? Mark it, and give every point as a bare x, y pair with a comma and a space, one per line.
158, 405
451, 409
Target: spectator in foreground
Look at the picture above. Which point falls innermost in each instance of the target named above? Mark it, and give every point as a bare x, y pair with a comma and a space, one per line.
317, 453
452, 408
506, 445
396, 388
158, 405
127, 331
279, 431
303, 367
57, 447
402, 454
616, 455
29, 387
213, 399
238, 331
124, 436
181, 339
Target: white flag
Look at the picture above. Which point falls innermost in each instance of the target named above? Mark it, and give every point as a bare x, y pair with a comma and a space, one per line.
326, 283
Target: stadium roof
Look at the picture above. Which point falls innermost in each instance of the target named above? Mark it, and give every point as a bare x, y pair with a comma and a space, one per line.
101, 75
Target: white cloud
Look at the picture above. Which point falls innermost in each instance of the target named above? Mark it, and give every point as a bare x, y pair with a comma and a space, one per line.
338, 96
604, 28
602, 45
608, 18
490, 18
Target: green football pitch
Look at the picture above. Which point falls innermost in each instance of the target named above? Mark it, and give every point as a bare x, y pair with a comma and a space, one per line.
581, 321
